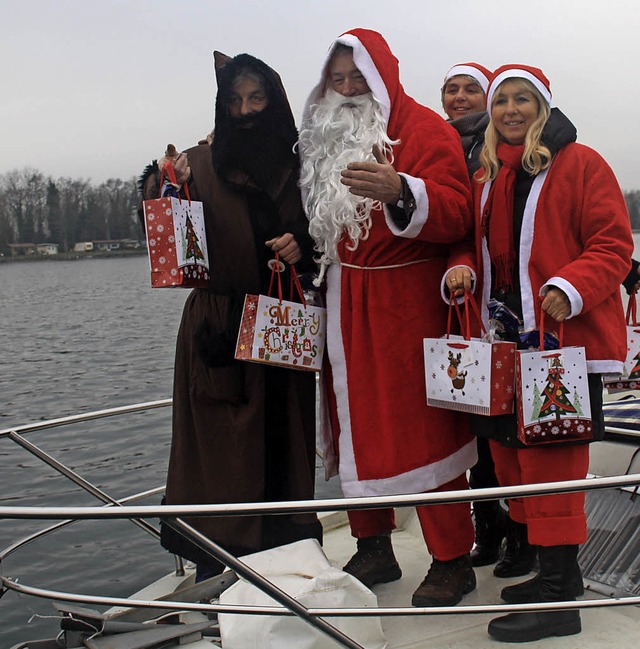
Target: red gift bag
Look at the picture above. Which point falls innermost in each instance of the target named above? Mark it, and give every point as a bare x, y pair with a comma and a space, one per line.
282, 332
176, 239
630, 378
469, 374
552, 392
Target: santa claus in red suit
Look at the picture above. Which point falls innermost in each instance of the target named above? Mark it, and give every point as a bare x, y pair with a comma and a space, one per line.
386, 191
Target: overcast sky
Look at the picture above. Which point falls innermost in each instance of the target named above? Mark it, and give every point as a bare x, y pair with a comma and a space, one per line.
97, 88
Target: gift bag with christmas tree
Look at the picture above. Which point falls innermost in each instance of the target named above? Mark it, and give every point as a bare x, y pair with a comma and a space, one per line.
630, 378
474, 375
552, 393
176, 239
282, 332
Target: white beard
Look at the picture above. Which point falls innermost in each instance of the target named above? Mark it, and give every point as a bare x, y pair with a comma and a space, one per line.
339, 130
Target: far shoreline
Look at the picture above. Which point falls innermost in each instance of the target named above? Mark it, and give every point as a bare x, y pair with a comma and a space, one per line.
73, 256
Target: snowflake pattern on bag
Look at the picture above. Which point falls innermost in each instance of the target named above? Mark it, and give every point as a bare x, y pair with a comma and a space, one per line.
176, 242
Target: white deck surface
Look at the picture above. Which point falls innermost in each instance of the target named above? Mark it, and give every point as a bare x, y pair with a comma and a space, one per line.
603, 628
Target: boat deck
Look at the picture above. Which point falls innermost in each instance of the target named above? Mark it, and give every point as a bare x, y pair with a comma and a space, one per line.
617, 626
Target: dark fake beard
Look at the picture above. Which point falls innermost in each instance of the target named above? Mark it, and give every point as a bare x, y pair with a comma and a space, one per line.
251, 146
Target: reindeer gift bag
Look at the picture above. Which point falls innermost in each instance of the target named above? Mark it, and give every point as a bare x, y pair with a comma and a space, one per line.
470, 374
552, 392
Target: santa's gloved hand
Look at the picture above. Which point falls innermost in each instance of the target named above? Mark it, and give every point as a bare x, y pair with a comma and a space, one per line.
180, 164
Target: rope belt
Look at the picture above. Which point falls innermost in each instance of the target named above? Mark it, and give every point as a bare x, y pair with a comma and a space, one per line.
408, 263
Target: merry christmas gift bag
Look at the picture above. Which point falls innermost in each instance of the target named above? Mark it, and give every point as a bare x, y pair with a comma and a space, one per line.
474, 375
630, 378
552, 393
176, 239
282, 332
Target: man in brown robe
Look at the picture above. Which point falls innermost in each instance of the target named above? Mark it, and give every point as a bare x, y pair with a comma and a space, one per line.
242, 432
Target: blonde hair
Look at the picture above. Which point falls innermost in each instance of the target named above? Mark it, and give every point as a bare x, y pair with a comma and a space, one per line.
536, 156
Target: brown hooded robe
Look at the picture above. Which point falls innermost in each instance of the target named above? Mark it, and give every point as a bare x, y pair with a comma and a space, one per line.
242, 432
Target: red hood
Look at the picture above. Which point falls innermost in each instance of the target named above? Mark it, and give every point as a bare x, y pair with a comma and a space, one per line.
379, 66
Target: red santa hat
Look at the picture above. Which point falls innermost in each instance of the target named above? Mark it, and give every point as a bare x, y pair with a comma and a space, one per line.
519, 71
475, 70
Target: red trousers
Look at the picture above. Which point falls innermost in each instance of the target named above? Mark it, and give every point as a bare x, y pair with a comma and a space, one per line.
551, 520
447, 529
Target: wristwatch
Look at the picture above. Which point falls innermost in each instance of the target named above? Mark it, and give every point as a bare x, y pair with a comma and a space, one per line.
407, 202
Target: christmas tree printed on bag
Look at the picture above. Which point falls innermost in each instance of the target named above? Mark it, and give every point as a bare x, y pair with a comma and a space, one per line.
554, 397
192, 242
555, 392
634, 374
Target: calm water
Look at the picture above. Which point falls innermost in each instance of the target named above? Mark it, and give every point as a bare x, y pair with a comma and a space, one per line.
78, 336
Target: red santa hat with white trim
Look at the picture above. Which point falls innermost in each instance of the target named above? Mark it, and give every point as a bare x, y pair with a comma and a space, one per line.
518, 71
478, 72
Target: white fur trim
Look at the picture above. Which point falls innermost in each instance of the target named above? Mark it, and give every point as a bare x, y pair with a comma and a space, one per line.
335, 350
515, 73
426, 478
526, 242
605, 367
575, 299
420, 214
469, 71
329, 455
486, 264
365, 64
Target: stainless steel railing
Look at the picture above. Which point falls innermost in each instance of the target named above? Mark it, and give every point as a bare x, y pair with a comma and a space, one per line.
122, 509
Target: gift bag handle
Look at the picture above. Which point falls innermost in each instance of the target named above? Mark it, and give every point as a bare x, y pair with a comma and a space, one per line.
632, 314
277, 267
170, 173
560, 330
466, 325
453, 304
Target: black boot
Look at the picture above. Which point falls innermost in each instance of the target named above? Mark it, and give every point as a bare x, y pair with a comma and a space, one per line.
491, 525
374, 562
530, 591
519, 556
557, 564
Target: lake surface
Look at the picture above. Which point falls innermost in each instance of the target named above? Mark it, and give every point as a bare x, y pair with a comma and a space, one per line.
79, 336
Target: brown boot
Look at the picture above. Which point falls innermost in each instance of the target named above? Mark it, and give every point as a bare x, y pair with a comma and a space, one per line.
446, 583
374, 562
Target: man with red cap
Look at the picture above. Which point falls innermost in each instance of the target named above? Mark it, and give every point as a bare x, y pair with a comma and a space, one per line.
463, 95
386, 189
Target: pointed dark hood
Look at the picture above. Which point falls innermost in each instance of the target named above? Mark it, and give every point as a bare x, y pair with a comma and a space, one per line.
263, 150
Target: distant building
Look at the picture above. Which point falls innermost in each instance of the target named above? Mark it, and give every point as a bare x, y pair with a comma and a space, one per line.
83, 246
47, 248
107, 245
22, 249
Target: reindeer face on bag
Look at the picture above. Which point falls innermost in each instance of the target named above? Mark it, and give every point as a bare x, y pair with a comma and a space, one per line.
457, 377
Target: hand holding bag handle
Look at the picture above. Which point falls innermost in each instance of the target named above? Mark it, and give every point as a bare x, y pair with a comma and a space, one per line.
560, 330
277, 267
465, 326
170, 173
